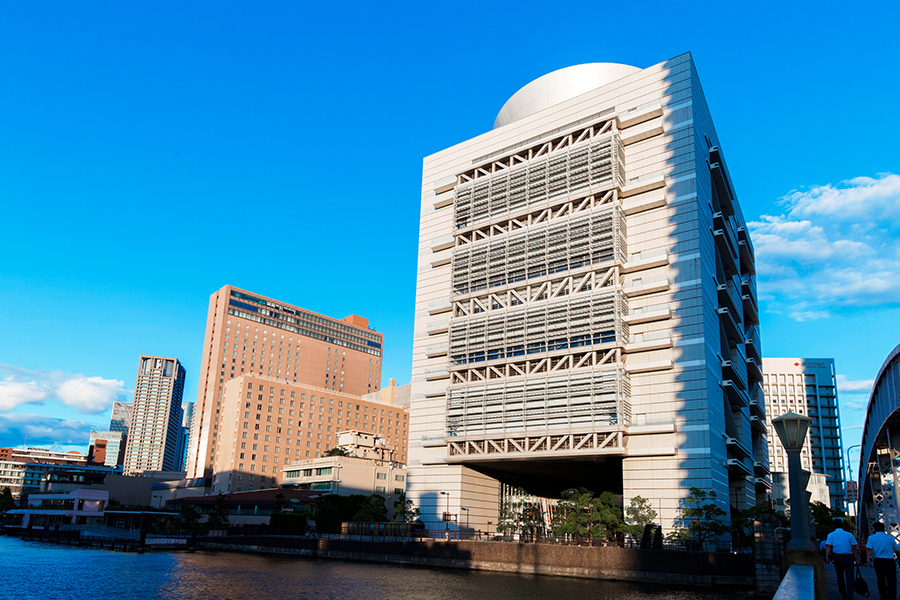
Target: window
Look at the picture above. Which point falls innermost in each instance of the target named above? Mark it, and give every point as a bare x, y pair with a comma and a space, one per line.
379, 489
381, 476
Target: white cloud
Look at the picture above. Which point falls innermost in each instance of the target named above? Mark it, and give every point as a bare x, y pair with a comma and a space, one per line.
90, 395
833, 248
845, 385
14, 393
42, 431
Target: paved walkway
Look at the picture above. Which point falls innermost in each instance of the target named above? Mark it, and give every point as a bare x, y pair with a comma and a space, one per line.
868, 574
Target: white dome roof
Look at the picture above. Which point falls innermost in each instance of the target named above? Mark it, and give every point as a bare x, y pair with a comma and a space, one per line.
559, 86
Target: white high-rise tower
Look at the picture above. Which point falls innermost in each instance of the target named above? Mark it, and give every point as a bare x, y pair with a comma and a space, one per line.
586, 303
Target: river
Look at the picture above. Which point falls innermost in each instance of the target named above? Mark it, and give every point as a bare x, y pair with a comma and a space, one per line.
32, 570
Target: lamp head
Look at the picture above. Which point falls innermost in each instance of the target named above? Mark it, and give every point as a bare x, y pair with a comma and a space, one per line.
791, 429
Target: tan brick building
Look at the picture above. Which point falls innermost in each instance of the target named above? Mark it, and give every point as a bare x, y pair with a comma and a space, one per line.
250, 334
272, 424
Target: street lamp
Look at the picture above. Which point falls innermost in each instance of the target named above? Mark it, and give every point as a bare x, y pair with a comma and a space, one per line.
447, 514
467, 519
791, 429
850, 478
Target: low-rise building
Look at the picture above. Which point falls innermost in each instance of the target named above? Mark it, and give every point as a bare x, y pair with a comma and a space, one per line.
267, 423
23, 469
168, 491
80, 507
249, 508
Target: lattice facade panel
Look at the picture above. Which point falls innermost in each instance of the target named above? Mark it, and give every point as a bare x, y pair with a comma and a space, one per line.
561, 245
575, 402
568, 323
596, 162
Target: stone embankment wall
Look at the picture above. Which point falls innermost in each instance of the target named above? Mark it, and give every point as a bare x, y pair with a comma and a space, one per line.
624, 564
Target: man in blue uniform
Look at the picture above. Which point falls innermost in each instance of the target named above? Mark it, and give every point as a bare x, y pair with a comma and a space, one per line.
881, 549
842, 550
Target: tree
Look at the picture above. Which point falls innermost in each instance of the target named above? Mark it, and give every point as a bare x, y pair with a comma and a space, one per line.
405, 511
334, 510
639, 514
579, 513
373, 509
742, 535
190, 516
823, 518
336, 451
218, 516
6, 500
279, 502
703, 518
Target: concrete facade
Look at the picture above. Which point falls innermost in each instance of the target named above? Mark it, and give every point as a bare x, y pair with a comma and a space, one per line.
586, 304
155, 428
250, 334
807, 386
267, 424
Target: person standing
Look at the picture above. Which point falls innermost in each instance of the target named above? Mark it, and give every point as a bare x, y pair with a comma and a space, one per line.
881, 549
842, 550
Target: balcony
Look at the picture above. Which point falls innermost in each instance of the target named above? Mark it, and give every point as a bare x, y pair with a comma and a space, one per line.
737, 467
720, 180
751, 312
752, 345
736, 447
645, 183
648, 314
754, 371
727, 247
733, 373
760, 466
639, 114
444, 199
438, 326
442, 243
736, 396
437, 307
646, 201
732, 329
441, 258
645, 260
436, 350
757, 425
762, 481
444, 184
436, 373
757, 409
646, 285
728, 298
642, 342
641, 132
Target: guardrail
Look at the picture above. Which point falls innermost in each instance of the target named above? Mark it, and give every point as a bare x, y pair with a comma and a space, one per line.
799, 583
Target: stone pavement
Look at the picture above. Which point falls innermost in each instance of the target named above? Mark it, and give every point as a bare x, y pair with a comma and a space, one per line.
868, 574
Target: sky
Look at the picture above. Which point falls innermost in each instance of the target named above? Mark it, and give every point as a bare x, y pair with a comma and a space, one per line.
151, 153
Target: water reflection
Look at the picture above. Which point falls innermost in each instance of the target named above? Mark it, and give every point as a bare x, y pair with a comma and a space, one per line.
34, 570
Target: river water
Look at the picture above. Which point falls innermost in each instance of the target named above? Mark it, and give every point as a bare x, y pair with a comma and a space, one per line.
31, 570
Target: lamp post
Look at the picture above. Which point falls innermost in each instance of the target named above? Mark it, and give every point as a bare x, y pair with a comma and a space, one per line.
849, 479
447, 514
791, 429
467, 519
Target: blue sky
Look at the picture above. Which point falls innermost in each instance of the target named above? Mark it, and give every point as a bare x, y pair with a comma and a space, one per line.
151, 153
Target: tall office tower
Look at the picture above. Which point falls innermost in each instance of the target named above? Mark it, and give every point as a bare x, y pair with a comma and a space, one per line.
187, 420
249, 333
586, 303
107, 448
806, 386
155, 416
269, 424
121, 417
